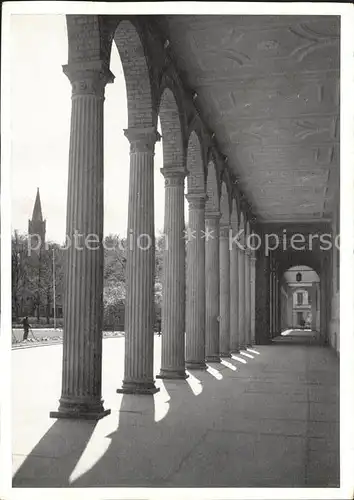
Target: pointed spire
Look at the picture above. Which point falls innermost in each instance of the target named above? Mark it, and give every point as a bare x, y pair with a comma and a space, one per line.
37, 210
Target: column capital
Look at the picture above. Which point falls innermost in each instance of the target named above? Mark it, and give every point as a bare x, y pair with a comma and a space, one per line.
88, 78
196, 200
142, 140
174, 176
212, 215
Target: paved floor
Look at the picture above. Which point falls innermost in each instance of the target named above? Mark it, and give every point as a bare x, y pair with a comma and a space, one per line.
268, 417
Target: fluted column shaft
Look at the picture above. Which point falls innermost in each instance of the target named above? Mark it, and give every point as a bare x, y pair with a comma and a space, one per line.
195, 297
248, 297
234, 299
274, 304
271, 285
82, 338
224, 292
212, 286
139, 305
253, 300
173, 296
241, 298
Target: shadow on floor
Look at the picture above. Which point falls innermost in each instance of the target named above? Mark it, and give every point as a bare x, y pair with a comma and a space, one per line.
185, 446
63, 443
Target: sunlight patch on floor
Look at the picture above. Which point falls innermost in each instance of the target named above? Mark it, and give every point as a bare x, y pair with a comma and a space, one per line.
229, 365
239, 359
253, 351
214, 372
195, 384
161, 403
286, 332
96, 447
244, 353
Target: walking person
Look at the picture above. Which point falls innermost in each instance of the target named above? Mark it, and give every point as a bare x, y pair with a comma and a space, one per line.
26, 327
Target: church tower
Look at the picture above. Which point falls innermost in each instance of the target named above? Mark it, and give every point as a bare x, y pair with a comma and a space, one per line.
36, 226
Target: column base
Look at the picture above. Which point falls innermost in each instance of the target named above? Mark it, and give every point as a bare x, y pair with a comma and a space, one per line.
213, 359
172, 374
80, 410
242, 348
197, 365
225, 355
138, 388
235, 351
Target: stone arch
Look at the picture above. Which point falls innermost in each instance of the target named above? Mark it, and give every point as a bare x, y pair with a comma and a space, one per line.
291, 258
236, 196
242, 227
195, 165
89, 38
172, 129
136, 73
224, 205
307, 269
196, 126
234, 214
213, 201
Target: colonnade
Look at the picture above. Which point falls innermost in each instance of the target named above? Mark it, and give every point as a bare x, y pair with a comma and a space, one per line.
208, 304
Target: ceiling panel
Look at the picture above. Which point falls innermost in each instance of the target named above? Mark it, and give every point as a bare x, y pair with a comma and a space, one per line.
268, 86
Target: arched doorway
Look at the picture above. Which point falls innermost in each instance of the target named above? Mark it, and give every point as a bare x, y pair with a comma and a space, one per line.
300, 299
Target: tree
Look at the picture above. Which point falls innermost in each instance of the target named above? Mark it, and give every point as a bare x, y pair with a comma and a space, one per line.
46, 284
32, 276
113, 279
19, 269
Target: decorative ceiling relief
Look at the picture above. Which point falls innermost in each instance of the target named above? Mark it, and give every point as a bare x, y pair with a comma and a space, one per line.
325, 155
314, 40
316, 126
268, 87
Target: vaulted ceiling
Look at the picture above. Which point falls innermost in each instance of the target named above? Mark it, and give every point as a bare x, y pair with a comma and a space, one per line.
268, 86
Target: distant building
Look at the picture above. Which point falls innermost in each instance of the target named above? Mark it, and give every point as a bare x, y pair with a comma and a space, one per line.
27, 305
300, 301
37, 225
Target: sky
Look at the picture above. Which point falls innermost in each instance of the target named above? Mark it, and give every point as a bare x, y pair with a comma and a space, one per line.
40, 112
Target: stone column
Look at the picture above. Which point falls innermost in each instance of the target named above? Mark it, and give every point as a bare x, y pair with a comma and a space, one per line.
195, 299
82, 339
241, 298
271, 303
224, 292
313, 306
139, 302
212, 286
275, 306
247, 299
173, 296
277, 291
253, 299
234, 299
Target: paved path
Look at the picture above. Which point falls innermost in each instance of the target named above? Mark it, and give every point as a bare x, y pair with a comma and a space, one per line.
267, 417
44, 336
